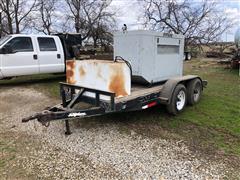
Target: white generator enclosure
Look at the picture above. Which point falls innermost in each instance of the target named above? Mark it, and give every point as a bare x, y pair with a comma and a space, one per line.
154, 56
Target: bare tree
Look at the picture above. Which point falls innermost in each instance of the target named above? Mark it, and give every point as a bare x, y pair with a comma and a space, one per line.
101, 34
101, 29
1, 24
45, 16
200, 23
87, 14
5, 8
16, 13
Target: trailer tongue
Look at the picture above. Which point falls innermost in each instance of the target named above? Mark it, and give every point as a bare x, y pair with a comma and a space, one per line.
56, 113
72, 95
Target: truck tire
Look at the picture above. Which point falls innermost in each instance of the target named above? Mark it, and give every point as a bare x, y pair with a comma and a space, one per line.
178, 101
194, 91
189, 56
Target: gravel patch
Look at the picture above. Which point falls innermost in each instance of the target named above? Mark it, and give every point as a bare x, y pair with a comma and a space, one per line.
99, 152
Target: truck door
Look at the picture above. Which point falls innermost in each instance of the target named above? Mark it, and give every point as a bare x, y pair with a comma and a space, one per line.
20, 58
50, 55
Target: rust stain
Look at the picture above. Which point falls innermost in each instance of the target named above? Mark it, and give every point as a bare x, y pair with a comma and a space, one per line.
115, 79
117, 84
70, 72
82, 72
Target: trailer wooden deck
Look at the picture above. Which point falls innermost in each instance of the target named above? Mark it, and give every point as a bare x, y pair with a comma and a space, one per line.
139, 90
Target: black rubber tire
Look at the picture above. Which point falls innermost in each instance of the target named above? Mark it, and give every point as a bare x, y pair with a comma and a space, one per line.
189, 57
7, 78
193, 86
185, 57
172, 107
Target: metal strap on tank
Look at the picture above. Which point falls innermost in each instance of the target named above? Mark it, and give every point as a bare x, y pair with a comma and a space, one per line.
128, 63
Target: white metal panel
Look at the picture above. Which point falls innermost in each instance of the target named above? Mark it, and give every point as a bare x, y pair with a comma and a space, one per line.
140, 48
167, 40
146, 56
147, 33
101, 75
168, 58
128, 48
51, 61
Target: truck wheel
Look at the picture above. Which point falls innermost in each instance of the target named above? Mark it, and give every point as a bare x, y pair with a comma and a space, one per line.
194, 91
189, 56
178, 101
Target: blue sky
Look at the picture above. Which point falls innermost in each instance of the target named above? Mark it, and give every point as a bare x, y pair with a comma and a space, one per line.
129, 12
232, 9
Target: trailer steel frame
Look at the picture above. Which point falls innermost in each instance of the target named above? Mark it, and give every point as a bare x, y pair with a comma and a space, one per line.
73, 94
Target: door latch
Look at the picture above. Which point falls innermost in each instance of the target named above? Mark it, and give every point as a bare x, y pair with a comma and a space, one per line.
35, 56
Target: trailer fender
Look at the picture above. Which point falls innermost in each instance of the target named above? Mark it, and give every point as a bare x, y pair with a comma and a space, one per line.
170, 85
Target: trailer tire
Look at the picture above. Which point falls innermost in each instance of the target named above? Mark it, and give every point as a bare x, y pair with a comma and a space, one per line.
194, 91
178, 100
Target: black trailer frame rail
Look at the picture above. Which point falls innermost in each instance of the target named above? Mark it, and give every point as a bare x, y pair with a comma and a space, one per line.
71, 95
74, 94
70, 98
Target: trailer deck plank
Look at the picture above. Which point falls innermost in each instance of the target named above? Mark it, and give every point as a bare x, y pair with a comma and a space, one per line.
138, 91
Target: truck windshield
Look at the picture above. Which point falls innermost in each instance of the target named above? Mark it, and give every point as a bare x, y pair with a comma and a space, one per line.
4, 39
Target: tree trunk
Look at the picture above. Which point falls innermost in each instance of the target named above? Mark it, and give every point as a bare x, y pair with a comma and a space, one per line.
95, 42
17, 27
77, 23
77, 26
10, 28
1, 25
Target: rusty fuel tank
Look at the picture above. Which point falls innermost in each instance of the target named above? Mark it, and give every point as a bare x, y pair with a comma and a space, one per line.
102, 75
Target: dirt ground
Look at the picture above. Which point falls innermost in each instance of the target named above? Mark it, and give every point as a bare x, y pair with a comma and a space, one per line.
102, 150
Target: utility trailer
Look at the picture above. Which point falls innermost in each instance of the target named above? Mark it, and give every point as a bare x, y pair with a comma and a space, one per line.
97, 87
174, 93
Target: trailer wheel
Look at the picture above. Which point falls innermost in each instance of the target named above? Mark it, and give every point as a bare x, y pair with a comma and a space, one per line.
178, 101
194, 91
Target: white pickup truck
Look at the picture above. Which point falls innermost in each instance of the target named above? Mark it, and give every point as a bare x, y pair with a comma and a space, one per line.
35, 54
